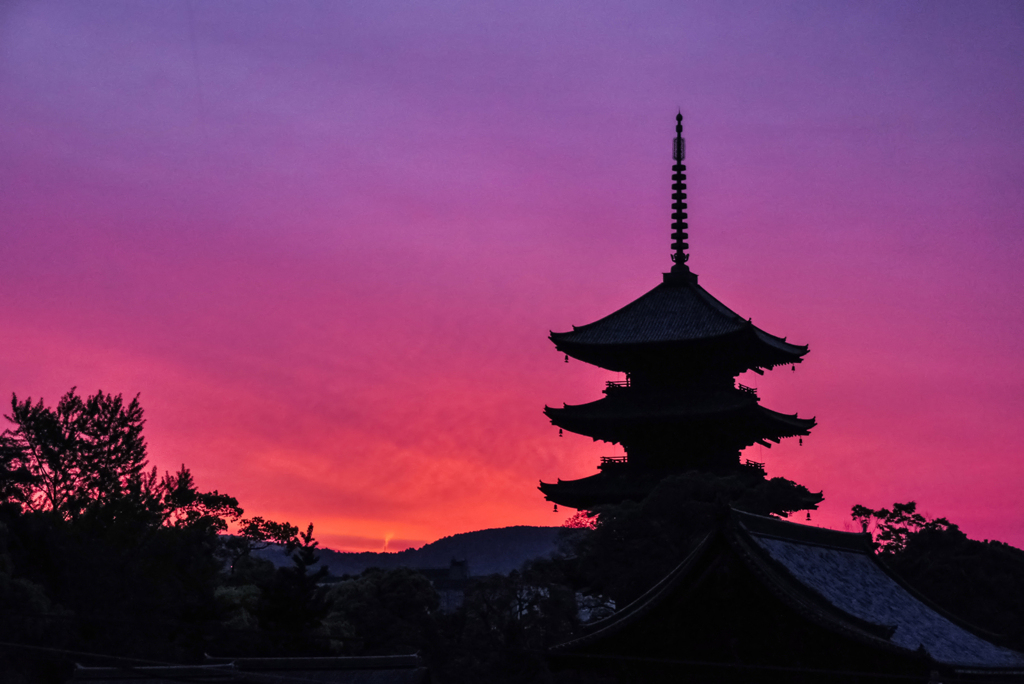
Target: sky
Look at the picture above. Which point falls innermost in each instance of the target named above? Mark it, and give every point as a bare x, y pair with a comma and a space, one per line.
325, 242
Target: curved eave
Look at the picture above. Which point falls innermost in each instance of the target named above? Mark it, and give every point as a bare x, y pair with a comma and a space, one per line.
675, 317
667, 313
597, 631
611, 423
804, 425
789, 353
596, 490
626, 357
633, 404
751, 347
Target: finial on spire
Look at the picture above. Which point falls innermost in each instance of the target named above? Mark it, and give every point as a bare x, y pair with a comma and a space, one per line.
679, 216
679, 148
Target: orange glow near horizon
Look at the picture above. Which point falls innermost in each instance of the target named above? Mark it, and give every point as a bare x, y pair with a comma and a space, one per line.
327, 244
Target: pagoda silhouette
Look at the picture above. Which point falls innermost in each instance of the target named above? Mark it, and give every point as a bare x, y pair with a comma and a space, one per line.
679, 408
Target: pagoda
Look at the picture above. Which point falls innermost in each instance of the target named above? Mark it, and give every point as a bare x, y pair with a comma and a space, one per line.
679, 407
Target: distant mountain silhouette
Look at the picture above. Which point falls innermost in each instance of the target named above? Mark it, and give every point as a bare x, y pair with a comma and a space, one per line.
488, 552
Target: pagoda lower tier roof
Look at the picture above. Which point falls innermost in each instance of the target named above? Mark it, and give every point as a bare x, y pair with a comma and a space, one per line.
627, 483
597, 490
679, 320
630, 415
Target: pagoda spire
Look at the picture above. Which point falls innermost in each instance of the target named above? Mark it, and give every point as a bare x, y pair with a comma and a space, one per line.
679, 225
679, 409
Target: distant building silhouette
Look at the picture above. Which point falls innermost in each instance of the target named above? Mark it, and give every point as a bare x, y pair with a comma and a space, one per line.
678, 408
450, 583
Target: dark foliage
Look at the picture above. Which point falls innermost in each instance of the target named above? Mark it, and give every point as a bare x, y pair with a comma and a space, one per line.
980, 582
98, 554
633, 545
256, 534
486, 552
506, 624
87, 456
385, 612
292, 607
891, 529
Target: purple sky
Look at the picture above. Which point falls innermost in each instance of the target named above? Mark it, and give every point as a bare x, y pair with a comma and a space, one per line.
326, 241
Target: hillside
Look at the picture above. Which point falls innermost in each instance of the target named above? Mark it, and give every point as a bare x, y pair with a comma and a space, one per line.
487, 552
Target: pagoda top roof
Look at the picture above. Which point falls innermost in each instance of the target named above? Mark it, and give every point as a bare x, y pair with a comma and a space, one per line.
676, 312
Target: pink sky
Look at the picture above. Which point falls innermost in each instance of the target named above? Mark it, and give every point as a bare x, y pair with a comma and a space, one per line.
326, 241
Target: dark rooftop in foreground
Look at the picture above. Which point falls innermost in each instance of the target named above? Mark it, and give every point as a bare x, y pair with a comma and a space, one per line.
763, 599
400, 669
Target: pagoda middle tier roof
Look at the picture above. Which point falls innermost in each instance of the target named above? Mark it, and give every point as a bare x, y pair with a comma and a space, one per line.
676, 316
621, 414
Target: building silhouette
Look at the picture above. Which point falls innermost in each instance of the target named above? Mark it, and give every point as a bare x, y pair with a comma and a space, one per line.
679, 407
762, 600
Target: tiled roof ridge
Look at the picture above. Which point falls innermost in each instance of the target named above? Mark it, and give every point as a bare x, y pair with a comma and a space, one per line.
759, 557
645, 603
764, 335
787, 530
677, 313
995, 638
825, 615
376, 662
205, 673
711, 300
779, 342
702, 297
783, 585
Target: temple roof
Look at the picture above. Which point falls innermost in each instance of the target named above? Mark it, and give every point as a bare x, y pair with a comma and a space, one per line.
625, 410
852, 581
397, 669
606, 487
617, 482
677, 313
834, 580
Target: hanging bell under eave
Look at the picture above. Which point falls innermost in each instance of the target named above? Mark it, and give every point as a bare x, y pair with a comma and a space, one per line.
801, 441
567, 358
559, 432
808, 516
556, 508
794, 368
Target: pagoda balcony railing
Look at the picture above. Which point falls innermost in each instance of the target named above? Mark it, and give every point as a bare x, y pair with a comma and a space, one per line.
748, 390
614, 460
754, 465
615, 385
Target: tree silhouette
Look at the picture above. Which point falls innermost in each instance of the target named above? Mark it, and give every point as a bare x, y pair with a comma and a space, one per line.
978, 581
635, 544
128, 561
892, 528
256, 534
85, 455
293, 607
